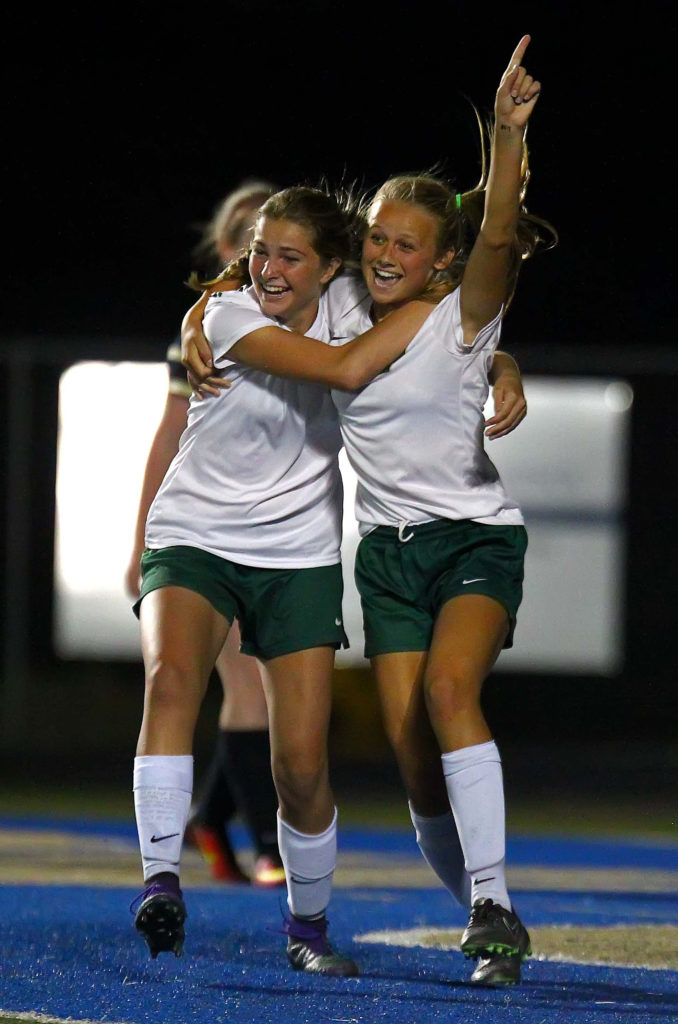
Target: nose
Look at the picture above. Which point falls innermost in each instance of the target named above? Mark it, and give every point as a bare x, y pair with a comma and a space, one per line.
271, 268
386, 254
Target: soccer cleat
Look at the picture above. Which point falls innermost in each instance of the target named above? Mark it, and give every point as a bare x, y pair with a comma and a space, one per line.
268, 872
493, 929
160, 916
215, 847
309, 949
495, 970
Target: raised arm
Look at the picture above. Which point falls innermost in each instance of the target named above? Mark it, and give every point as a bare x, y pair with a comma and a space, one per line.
483, 288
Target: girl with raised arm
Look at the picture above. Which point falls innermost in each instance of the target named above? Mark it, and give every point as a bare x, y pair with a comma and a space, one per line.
440, 565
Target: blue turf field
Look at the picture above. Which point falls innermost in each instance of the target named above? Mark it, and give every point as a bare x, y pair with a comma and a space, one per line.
71, 952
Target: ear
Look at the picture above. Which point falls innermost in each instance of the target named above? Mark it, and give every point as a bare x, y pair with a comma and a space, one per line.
444, 261
330, 270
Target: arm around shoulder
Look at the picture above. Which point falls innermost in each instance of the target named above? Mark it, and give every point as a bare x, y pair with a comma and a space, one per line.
348, 367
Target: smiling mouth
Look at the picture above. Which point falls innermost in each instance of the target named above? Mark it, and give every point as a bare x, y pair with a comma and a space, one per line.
274, 290
386, 278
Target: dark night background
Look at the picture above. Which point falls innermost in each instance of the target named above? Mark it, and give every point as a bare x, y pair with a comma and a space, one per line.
125, 127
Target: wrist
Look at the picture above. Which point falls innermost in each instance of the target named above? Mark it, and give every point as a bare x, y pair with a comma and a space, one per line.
507, 132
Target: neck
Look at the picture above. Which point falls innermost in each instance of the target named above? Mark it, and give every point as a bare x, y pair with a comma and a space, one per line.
379, 312
303, 321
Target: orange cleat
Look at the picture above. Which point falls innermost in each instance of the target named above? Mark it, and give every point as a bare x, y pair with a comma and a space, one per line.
268, 872
217, 851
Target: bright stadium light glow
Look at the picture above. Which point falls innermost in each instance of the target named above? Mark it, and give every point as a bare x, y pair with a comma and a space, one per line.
108, 414
566, 465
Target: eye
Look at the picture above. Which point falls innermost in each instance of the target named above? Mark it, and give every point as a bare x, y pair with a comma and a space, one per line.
408, 246
376, 238
291, 259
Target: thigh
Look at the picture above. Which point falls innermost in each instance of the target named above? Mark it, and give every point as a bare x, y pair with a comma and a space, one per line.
298, 690
468, 636
181, 635
181, 629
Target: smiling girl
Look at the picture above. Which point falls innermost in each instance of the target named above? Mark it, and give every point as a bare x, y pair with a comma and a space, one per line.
247, 525
440, 565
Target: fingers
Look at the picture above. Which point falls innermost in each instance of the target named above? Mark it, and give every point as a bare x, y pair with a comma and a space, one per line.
511, 410
518, 53
524, 87
516, 81
211, 386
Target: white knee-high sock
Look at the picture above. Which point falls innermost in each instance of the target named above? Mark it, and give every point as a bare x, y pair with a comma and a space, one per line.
475, 788
163, 786
438, 841
309, 862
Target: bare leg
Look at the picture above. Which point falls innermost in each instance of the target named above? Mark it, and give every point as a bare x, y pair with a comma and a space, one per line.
400, 682
299, 692
238, 778
468, 636
181, 636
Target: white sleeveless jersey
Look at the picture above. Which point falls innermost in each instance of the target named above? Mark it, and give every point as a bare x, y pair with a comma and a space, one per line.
414, 435
256, 479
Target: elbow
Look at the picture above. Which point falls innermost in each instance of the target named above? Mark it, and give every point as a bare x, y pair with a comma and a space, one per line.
498, 237
349, 380
351, 373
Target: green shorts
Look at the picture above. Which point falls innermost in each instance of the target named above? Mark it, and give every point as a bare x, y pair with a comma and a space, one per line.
279, 610
404, 584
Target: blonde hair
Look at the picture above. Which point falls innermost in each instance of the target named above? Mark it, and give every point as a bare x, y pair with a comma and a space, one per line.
459, 217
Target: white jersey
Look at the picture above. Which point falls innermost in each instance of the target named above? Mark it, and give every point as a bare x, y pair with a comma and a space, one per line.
414, 435
256, 479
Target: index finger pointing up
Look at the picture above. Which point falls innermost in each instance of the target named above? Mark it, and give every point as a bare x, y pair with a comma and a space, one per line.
518, 53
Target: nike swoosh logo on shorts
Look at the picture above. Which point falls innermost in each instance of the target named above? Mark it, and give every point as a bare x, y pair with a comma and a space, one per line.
337, 622
477, 579
159, 839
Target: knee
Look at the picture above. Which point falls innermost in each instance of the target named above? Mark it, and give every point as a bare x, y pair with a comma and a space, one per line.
298, 776
451, 692
167, 686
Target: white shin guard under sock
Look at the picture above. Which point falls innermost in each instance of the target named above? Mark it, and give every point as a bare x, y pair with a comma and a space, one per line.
438, 841
475, 788
163, 787
309, 862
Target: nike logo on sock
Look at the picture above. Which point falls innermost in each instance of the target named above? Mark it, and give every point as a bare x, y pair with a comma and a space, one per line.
159, 839
479, 881
309, 881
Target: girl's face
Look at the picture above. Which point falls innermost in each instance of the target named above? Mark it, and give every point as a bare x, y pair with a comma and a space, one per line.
400, 252
287, 273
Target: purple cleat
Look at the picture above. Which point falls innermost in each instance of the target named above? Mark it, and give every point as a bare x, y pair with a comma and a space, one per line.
309, 949
160, 915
